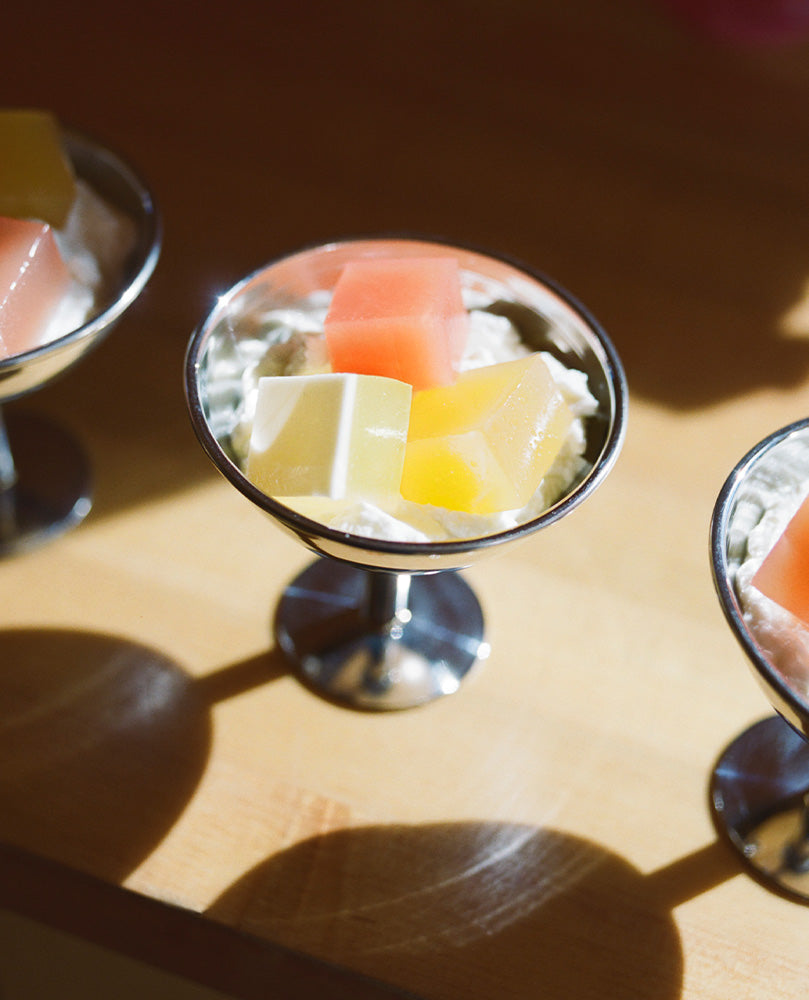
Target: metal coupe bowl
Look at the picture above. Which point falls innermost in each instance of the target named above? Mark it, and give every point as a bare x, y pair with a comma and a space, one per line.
115, 181
759, 785
547, 317
728, 544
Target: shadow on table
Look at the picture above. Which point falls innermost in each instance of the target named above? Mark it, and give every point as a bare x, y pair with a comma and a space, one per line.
484, 909
102, 743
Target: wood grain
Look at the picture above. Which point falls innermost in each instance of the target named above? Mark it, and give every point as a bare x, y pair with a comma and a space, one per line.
545, 832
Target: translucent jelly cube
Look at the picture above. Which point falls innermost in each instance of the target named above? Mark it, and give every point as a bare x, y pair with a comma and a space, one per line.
402, 318
36, 178
33, 280
784, 574
394, 519
483, 444
333, 435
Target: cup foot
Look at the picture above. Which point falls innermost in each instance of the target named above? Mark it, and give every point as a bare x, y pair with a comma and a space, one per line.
52, 489
420, 653
758, 795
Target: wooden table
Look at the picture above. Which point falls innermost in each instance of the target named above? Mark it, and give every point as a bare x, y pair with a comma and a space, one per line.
167, 785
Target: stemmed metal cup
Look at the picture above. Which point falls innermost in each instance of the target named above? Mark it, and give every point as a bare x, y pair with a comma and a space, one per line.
380, 624
45, 483
760, 785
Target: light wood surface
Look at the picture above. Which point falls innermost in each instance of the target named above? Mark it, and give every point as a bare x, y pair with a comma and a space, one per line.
545, 832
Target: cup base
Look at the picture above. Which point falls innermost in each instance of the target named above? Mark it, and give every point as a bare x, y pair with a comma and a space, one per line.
418, 654
759, 793
52, 489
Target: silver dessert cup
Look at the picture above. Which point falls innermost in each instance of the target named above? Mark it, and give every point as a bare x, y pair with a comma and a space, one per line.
760, 783
380, 624
45, 483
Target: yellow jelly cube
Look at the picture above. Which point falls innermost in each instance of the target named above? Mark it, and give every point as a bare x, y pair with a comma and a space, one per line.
36, 178
332, 435
483, 444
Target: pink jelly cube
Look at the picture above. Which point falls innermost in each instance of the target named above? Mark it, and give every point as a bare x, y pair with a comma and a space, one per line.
403, 318
33, 279
784, 574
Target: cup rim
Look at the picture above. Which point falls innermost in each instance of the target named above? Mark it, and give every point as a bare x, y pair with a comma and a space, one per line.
304, 526
150, 237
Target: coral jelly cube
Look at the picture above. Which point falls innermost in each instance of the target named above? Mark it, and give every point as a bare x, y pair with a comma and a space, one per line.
36, 178
784, 574
33, 280
483, 444
403, 318
332, 435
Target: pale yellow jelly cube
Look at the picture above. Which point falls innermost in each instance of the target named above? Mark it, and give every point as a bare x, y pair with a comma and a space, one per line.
36, 178
483, 444
318, 508
331, 435
392, 518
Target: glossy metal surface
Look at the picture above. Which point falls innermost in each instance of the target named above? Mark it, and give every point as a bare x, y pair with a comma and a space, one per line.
548, 319
758, 796
380, 640
118, 183
44, 476
760, 784
50, 490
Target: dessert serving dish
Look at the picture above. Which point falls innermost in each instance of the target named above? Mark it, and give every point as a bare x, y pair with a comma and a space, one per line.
760, 785
44, 475
379, 622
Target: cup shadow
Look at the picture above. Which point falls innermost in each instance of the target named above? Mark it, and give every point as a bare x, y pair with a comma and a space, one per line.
476, 908
102, 743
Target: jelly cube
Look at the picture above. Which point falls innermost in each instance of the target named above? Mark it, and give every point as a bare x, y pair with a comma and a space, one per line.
33, 280
784, 574
394, 519
334, 435
36, 178
483, 444
403, 318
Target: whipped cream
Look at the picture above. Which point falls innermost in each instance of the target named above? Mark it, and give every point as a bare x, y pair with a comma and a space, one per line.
766, 501
291, 342
94, 242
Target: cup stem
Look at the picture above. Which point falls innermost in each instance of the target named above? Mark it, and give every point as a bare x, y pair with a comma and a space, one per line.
8, 479
8, 471
44, 481
387, 597
376, 639
796, 853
